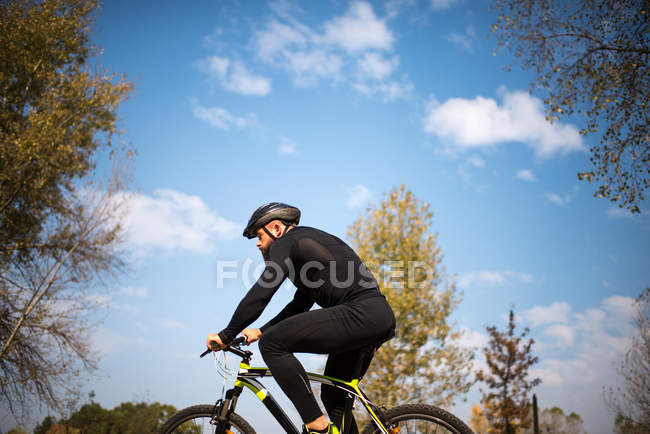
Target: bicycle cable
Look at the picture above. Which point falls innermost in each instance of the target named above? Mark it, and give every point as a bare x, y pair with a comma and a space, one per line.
221, 367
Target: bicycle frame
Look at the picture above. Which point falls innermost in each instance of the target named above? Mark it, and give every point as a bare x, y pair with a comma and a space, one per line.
246, 377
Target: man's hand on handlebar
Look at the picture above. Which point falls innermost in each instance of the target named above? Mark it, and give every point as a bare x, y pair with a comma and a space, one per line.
252, 335
214, 342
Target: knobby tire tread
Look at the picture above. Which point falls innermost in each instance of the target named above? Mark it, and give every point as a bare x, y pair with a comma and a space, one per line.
188, 413
425, 410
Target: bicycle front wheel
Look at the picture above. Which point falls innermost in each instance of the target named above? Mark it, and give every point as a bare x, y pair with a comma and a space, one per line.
422, 418
196, 420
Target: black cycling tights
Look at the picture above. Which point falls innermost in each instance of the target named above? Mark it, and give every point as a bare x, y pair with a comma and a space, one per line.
341, 331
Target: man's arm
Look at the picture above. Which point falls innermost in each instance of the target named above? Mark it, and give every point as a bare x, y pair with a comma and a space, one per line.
252, 305
300, 303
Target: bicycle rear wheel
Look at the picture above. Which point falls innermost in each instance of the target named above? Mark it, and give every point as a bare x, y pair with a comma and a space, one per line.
422, 418
196, 420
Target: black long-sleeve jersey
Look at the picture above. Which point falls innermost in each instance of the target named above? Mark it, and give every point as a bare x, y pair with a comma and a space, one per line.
324, 269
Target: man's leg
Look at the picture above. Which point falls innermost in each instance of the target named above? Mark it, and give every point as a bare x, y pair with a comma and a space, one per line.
342, 366
322, 331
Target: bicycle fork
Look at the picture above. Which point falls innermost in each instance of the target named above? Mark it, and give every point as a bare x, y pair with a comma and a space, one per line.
223, 408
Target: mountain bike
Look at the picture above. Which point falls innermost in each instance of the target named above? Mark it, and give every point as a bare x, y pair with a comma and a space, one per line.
221, 417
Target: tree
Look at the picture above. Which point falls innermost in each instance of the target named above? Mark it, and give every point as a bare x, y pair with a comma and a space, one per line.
17, 431
45, 425
425, 361
591, 57
59, 221
479, 421
632, 403
508, 358
555, 421
93, 418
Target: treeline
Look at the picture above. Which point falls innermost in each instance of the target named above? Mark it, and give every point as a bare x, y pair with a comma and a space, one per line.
92, 418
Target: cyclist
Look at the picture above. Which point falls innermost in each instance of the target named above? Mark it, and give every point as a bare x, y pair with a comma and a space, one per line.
325, 271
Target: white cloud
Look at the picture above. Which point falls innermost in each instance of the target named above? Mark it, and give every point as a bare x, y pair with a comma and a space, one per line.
375, 66
487, 278
540, 315
385, 91
138, 292
622, 213
526, 175
244, 82
217, 66
359, 29
106, 342
620, 311
616, 212
590, 342
172, 220
358, 196
287, 148
563, 335
476, 161
221, 118
472, 338
103, 300
483, 123
277, 37
308, 67
577, 353
134, 310
464, 41
353, 48
235, 77
560, 200
171, 324
297, 49
442, 4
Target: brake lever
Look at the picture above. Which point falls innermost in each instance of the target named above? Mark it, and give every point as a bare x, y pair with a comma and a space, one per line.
236, 342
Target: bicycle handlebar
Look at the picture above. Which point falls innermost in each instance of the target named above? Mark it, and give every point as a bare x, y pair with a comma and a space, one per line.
232, 347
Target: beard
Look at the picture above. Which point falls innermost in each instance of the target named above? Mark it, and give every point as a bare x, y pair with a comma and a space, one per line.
265, 253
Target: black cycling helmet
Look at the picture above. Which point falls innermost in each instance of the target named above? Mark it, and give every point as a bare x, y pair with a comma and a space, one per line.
287, 214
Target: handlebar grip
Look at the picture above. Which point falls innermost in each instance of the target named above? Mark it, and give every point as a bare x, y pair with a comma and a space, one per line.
242, 340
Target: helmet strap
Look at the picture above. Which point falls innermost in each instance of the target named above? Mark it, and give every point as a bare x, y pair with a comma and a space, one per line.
269, 233
273, 236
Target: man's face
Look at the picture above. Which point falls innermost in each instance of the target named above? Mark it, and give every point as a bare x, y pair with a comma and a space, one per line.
264, 242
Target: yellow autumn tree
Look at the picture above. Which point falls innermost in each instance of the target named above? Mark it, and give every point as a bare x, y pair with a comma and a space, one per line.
60, 232
424, 362
479, 421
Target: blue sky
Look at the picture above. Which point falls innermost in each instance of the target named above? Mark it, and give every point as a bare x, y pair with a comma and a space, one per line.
328, 105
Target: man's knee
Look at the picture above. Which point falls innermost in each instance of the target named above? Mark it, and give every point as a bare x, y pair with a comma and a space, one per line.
269, 344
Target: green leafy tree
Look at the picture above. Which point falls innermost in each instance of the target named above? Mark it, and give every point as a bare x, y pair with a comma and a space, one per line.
631, 404
91, 418
591, 57
128, 417
59, 220
45, 425
149, 416
508, 358
425, 361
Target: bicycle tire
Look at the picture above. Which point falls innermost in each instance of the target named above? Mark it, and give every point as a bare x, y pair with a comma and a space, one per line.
422, 418
178, 423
